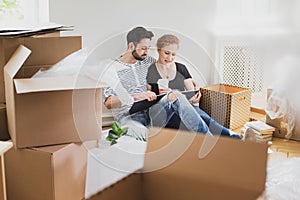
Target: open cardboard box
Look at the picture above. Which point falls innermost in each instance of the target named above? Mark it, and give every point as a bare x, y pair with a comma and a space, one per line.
233, 169
49, 173
8, 45
55, 110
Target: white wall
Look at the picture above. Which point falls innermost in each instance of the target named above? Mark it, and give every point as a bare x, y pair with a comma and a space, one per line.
98, 20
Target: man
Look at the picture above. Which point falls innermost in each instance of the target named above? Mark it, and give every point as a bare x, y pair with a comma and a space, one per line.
131, 70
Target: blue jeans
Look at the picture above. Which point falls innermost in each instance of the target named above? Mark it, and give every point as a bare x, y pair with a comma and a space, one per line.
193, 117
141, 117
162, 112
214, 127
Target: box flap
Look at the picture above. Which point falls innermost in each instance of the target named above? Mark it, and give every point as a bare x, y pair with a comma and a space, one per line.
10, 70
54, 84
17, 60
50, 149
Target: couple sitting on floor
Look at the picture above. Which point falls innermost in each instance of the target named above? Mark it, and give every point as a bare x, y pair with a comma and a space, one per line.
138, 75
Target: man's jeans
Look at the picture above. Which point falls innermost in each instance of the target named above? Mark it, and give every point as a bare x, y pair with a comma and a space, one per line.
141, 117
137, 124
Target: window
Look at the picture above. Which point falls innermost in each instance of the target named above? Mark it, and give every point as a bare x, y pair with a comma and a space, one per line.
23, 13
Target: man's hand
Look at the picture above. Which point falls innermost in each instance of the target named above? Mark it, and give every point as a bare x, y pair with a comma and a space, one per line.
149, 95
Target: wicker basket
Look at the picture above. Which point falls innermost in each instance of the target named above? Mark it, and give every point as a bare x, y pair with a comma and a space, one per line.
228, 105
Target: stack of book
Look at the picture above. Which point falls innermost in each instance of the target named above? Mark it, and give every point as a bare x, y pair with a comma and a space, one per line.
264, 132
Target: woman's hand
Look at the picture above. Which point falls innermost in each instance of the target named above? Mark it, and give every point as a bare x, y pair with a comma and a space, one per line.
196, 98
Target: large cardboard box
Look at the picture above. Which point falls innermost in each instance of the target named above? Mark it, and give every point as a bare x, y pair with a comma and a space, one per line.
228, 105
49, 173
3, 124
182, 165
129, 188
55, 110
8, 45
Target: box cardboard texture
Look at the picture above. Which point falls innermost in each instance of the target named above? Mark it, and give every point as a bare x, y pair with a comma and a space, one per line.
9, 45
233, 169
3, 124
228, 105
49, 173
55, 110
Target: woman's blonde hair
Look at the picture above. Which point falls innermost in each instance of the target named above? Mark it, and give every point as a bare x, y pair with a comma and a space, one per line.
166, 40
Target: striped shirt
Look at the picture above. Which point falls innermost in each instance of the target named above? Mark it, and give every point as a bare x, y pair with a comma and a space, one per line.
132, 78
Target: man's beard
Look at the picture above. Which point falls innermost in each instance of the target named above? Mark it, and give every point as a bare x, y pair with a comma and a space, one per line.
136, 56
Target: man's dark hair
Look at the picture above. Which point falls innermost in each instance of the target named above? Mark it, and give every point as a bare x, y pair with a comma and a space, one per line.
137, 34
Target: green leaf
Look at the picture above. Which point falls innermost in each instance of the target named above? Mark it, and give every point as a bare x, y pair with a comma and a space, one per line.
110, 138
113, 142
116, 127
116, 132
112, 132
124, 130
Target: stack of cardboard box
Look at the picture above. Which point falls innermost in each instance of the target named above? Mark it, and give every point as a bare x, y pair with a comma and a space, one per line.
49, 119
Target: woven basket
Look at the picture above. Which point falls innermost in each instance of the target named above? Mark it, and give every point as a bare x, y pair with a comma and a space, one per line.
228, 105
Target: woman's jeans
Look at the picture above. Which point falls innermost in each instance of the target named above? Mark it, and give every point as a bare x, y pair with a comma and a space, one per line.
193, 117
214, 127
162, 112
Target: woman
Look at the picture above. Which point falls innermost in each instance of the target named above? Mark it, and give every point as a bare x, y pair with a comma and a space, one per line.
179, 79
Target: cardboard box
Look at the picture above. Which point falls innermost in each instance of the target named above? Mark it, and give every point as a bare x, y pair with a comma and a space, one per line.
228, 105
108, 164
4, 147
35, 43
281, 125
52, 172
55, 110
3, 124
233, 169
129, 188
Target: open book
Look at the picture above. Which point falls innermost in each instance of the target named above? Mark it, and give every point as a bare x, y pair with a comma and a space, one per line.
145, 104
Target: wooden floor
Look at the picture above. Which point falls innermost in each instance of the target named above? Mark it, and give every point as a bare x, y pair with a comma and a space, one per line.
286, 148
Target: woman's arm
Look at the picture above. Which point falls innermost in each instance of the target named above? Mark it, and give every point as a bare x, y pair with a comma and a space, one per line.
190, 84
